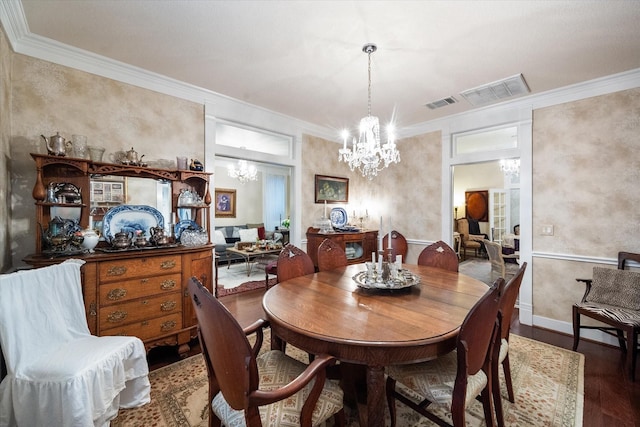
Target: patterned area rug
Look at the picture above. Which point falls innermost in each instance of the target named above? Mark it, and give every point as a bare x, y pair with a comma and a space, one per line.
247, 286
548, 383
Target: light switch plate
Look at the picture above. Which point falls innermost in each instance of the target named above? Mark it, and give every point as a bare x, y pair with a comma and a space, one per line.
546, 230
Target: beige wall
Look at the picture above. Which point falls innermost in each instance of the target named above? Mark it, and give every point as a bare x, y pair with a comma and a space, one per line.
47, 98
5, 132
586, 165
410, 193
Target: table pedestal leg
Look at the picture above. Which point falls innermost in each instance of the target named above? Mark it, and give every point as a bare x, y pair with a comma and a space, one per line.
376, 398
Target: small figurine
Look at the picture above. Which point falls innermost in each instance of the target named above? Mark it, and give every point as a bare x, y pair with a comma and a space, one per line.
196, 165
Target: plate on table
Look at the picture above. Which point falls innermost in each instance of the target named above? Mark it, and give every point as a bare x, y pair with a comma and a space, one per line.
338, 217
130, 218
185, 224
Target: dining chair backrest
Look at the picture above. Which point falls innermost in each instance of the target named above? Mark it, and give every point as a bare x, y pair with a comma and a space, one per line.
399, 244
478, 333
293, 262
225, 347
330, 255
439, 255
508, 296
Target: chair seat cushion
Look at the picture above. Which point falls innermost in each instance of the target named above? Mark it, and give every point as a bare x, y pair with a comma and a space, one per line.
434, 380
275, 370
621, 315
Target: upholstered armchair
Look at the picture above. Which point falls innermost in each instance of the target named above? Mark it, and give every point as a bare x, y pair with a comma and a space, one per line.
468, 240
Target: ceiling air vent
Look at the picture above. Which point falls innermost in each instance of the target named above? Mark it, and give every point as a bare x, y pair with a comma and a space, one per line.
442, 103
501, 89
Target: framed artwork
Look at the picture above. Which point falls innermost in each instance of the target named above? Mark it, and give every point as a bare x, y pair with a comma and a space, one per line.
477, 205
225, 203
332, 189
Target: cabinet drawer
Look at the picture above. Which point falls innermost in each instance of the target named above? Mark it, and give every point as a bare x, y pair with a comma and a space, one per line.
140, 309
140, 267
117, 292
148, 329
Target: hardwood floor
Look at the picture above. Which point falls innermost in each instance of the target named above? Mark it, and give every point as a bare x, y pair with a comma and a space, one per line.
610, 398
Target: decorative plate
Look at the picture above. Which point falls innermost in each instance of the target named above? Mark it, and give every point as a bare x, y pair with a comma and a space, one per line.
405, 279
338, 217
129, 218
185, 224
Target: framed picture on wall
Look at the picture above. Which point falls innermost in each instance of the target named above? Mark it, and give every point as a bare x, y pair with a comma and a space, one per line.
225, 203
477, 205
331, 189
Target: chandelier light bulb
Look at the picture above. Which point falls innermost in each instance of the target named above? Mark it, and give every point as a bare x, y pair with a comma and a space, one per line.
244, 173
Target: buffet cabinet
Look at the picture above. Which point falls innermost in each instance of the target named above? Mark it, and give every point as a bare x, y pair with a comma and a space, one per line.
358, 245
142, 294
135, 291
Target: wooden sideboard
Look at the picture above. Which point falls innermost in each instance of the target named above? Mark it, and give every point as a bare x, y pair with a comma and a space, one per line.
142, 293
357, 245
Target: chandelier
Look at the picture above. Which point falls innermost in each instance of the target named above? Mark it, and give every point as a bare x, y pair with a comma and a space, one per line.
510, 167
244, 173
367, 154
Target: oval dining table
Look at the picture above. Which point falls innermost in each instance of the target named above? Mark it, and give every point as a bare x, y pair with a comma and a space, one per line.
327, 312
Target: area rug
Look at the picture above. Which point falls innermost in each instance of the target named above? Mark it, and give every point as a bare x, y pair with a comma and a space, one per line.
548, 383
247, 286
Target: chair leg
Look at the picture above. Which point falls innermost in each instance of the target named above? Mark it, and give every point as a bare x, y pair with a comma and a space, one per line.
506, 367
487, 405
391, 401
576, 327
497, 398
340, 419
632, 352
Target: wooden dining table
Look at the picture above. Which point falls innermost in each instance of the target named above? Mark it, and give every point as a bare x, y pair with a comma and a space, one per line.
327, 312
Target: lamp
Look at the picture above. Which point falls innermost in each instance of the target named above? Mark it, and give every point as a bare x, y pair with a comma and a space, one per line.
367, 154
244, 173
510, 166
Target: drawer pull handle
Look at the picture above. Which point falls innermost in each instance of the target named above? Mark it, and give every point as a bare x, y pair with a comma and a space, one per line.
144, 281
117, 316
168, 305
117, 270
168, 284
145, 323
167, 326
145, 302
168, 264
116, 294
93, 311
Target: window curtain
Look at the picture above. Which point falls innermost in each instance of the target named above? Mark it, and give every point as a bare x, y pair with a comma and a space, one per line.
275, 200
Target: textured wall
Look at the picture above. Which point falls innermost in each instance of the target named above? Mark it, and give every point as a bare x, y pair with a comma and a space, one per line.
410, 193
47, 98
586, 173
5, 128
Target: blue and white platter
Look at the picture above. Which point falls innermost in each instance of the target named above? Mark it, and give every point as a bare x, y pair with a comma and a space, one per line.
130, 218
338, 217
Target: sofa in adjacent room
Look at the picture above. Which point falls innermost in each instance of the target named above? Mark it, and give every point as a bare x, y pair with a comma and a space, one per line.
227, 236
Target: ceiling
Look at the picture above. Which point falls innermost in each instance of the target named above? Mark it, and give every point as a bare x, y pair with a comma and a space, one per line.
304, 58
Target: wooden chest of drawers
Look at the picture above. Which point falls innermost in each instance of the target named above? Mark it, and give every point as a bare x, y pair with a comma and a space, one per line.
143, 293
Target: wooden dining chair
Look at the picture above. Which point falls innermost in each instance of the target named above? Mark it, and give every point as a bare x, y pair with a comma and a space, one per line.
499, 268
612, 297
330, 255
293, 262
259, 389
399, 244
454, 380
508, 296
439, 255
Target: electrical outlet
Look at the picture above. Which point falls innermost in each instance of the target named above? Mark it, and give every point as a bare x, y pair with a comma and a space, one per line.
546, 230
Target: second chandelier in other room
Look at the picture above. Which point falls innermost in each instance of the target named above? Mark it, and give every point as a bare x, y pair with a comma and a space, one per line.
368, 155
244, 173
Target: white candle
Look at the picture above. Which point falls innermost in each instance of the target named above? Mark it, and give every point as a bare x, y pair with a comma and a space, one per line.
399, 261
373, 257
90, 222
389, 247
344, 146
380, 264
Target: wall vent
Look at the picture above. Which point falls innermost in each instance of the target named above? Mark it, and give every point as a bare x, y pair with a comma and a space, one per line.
498, 90
442, 103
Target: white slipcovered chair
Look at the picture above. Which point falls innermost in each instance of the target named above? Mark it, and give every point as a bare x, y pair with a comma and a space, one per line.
58, 374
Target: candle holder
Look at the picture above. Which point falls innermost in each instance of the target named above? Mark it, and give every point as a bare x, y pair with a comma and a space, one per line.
362, 219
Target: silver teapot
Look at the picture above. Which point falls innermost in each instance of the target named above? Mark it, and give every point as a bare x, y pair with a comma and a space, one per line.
121, 240
56, 145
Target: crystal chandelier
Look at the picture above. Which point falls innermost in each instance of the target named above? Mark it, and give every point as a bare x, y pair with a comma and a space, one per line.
510, 167
244, 173
367, 154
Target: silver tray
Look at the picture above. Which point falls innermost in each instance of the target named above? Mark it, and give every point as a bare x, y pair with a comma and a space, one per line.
406, 280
